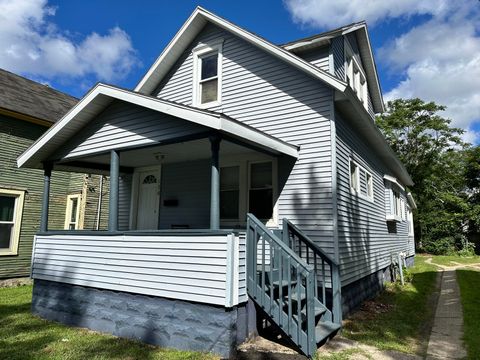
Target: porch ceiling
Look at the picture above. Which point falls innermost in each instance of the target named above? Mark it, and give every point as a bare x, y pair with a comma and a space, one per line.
68, 129
172, 153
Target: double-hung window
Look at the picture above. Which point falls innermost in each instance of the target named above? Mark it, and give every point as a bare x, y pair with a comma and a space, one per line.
395, 203
72, 214
355, 75
11, 207
207, 75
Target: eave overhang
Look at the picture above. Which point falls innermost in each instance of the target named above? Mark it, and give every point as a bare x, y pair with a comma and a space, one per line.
101, 95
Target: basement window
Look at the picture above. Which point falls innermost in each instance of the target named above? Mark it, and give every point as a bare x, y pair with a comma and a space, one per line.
207, 75
11, 208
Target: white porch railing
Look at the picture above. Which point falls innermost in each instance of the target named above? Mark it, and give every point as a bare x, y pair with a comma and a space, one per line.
207, 267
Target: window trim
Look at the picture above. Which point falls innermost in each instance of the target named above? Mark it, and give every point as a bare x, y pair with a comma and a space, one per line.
199, 52
411, 231
369, 184
393, 214
17, 220
68, 212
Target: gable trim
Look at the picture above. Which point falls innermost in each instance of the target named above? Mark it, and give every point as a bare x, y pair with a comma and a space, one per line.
192, 27
103, 94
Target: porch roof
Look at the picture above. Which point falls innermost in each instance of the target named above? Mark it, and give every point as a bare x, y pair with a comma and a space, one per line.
102, 95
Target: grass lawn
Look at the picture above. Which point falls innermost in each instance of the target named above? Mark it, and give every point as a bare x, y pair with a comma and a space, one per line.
24, 336
400, 318
455, 260
469, 282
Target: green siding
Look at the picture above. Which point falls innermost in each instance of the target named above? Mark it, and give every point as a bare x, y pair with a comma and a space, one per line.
15, 137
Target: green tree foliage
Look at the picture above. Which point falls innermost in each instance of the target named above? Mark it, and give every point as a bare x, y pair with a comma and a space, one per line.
443, 168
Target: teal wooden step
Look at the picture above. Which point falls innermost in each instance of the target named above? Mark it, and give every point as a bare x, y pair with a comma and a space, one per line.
319, 311
325, 329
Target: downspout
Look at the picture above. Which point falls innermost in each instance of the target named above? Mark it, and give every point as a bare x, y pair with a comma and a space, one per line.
99, 205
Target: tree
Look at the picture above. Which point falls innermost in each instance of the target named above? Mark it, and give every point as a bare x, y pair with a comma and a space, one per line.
435, 157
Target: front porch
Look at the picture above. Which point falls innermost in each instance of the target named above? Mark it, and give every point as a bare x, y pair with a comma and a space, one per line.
192, 221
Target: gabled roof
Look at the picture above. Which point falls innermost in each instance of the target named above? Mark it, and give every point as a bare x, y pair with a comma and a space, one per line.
101, 95
361, 31
195, 24
29, 99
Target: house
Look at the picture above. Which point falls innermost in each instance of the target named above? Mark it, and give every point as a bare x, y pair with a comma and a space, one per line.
27, 110
246, 180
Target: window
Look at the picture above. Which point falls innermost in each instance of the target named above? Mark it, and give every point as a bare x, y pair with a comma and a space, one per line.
410, 221
396, 203
229, 192
369, 181
72, 214
355, 76
260, 192
207, 75
354, 178
11, 207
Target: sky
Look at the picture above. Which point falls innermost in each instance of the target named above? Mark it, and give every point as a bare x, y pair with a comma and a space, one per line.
427, 49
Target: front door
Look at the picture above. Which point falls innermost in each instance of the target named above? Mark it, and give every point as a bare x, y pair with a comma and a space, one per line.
148, 199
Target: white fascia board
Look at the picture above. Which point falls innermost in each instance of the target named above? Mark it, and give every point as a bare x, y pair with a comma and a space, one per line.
210, 120
394, 180
411, 200
290, 58
51, 132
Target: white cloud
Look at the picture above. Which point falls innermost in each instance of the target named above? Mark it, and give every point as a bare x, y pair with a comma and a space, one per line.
440, 61
30, 43
329, 14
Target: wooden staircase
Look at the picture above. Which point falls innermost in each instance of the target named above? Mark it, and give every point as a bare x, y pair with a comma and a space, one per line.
294, 282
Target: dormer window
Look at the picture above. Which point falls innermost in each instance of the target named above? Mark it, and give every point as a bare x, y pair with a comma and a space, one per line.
207, 75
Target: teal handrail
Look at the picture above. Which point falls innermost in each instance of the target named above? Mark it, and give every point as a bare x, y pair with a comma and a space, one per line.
279, 280
312, 254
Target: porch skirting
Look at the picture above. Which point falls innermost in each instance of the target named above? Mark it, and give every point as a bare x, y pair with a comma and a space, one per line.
155, 320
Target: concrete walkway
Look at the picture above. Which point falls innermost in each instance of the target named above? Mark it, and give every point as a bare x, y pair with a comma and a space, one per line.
446, 337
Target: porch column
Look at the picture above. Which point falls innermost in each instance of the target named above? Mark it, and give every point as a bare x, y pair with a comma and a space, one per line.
47, 173
215, 184
113, 200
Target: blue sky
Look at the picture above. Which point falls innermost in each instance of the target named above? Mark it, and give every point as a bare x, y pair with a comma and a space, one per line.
73, 44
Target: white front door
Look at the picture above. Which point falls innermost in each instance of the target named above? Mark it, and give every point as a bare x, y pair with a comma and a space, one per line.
148, 199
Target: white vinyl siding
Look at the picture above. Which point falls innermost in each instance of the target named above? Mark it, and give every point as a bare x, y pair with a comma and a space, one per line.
272, 96
192, 268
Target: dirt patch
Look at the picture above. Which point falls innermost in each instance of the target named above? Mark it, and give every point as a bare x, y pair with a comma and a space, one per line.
15, 282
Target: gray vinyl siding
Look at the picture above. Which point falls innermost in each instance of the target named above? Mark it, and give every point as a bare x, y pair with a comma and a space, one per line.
124, 125
365, 243
189, 184
192, 268
318, 57
338, 57
268, 94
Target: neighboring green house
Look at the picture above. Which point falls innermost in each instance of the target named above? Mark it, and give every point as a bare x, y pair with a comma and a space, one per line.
27, 110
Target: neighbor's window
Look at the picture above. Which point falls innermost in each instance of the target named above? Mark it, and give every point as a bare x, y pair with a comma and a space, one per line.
72, 214
229, 192
11, 207
354, 177
260, 192
369, 181
208, 71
